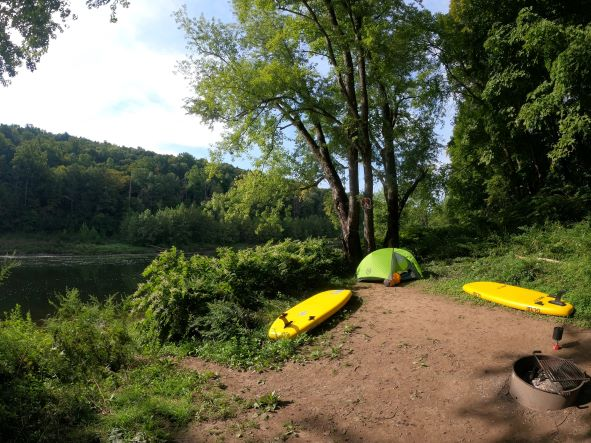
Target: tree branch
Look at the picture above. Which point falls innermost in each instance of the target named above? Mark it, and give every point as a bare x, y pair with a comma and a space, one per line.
411, 189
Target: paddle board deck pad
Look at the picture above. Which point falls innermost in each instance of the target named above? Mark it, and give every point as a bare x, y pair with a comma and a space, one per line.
520, 298
309, 313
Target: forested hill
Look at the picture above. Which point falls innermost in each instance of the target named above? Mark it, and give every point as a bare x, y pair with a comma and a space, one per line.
88, 191
52, 182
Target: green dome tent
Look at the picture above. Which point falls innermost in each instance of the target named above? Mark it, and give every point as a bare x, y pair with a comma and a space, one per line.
382, 263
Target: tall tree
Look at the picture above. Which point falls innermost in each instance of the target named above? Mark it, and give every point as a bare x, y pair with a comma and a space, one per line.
31, 170
522, 131
341, 79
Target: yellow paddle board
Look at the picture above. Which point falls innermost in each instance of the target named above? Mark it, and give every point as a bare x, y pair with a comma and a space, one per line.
309, 313
520, 298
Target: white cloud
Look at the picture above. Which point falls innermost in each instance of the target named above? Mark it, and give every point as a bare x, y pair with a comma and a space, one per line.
116, 82
112, 82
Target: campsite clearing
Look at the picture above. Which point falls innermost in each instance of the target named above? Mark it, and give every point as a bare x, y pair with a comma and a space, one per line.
410, 367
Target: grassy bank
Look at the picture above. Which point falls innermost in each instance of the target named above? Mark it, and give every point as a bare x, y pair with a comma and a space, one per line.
41, 244
547, 259
35, 244
110, 371
84, 376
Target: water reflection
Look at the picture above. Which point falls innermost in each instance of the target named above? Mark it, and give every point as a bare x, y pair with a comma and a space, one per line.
38, 279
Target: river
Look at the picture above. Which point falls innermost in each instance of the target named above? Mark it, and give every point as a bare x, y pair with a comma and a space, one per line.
39, 278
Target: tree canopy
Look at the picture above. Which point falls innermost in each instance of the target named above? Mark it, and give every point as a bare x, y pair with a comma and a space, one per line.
328, 84
519, 153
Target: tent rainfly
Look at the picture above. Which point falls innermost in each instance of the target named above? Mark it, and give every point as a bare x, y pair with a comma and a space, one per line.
382, 263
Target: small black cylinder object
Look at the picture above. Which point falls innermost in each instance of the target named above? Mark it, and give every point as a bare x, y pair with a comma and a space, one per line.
557, 334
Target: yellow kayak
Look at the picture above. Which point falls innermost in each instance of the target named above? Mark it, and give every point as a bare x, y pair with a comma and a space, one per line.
309, 313
520, 298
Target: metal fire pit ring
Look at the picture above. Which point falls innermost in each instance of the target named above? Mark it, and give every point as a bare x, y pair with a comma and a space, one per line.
569, 376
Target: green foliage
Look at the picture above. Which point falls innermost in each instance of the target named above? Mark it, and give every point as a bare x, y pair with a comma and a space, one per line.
265, 206
178, 226
252, 351
90, 336
523, 123
154, 400
548, 259
310, 226
56, 183
88, 235
459, 241
6, 266
267, 402
215, 297
314, 86
80, 378
35, 403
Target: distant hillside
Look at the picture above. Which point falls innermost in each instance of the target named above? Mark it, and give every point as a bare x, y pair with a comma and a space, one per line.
56, 182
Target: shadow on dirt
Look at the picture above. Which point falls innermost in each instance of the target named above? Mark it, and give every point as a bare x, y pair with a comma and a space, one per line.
519, 423
320, 428
352, 306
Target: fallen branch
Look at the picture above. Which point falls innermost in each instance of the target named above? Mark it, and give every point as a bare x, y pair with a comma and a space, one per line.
549, 260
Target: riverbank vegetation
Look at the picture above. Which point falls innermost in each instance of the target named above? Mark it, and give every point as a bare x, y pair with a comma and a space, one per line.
224, 304
546, 258
111, 370
73, 190
82, 376
512, 204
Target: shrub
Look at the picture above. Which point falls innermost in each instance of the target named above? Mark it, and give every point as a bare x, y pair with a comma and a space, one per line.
89, 336
169, 226
79, 379
35, 405
176, 292
215, 297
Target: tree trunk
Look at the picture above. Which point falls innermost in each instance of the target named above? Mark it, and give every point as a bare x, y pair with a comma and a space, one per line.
352, 240
392, 237
368, 216
346, 207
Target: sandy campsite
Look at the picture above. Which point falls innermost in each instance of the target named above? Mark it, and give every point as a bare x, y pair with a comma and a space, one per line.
410, 366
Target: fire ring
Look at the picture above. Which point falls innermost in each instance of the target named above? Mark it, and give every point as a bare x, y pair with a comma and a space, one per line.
544, 383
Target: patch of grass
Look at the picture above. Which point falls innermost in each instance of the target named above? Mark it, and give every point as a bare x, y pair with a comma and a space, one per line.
83, 377
255, 351
267, 402
546, 259
156, 399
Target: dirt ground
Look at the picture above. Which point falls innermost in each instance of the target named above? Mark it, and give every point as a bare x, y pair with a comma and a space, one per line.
412, 367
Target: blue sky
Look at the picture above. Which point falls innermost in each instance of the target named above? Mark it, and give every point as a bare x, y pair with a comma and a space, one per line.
117, 82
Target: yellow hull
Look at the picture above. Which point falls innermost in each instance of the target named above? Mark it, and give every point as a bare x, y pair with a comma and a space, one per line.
309, 313
518, 298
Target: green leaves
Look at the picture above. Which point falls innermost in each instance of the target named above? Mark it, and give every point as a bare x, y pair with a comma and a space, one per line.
215, 297
523, 125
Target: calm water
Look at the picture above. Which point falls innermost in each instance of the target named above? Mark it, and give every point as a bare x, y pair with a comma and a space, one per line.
38, 279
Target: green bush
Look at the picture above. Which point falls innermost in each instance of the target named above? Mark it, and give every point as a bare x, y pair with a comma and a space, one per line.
80, 378
169, 226
155, 399
35, 403
90, 336
311, 226
251, 351
216, 297
177, 292
88, 235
